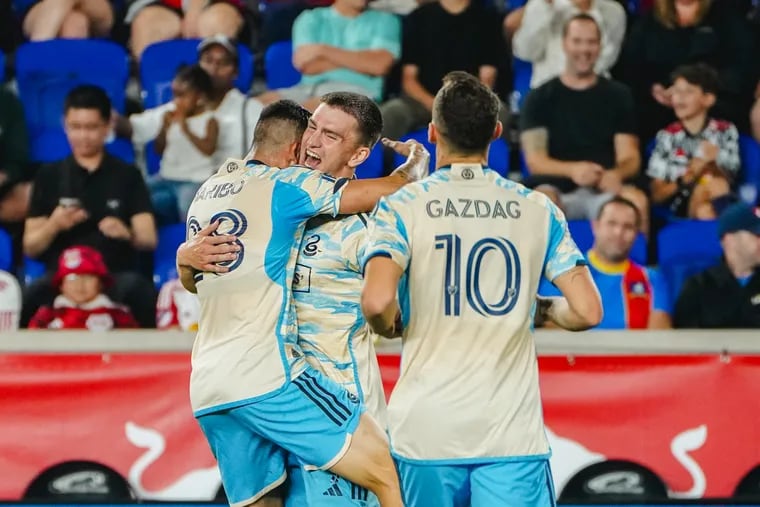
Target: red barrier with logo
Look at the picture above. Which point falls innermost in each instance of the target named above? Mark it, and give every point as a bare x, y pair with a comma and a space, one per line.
693, 420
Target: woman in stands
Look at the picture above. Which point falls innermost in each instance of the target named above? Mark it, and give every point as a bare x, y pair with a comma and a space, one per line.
70, 19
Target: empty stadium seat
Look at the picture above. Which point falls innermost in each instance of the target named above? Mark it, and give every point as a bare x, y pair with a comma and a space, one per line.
522, 72
160, 61
278, 65
6, 251
583, 235
46, 71
53, 145
169, 239
373, 166
686, 248
33, 269
749, 150
498, 154
2, 67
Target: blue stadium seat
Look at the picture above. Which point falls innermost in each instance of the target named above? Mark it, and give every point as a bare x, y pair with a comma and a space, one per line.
160, 61
169, 239
2, 67
498, 154
749, 150
6, 251
522, 72
46, 71
373, 166
278, 65
685, 248
33, 269
583, 235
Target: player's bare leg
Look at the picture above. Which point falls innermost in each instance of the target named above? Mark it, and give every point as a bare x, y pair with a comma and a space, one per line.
368, 463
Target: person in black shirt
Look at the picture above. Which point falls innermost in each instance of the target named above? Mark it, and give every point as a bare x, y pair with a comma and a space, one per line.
92, 199
440, 37
727, 295
578, 131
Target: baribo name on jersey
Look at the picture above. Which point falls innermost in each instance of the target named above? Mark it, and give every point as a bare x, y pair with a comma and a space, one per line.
472, 208
218, 191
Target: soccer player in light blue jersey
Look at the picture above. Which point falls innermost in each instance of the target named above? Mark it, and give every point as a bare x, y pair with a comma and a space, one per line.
248, 369
458, 256
332, 331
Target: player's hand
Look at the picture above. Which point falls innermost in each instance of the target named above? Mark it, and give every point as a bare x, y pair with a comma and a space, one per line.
610, 182
114, 228
586, 174
206, 249
67, 217
417, 162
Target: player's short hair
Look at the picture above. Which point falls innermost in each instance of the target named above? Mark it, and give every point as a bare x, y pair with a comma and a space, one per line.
698, 74
581, 16
623, 202
88, 97
195, 78
465, 112
280, 122
363, 109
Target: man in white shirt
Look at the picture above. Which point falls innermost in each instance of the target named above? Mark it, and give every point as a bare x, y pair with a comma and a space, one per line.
236, 113
539, 38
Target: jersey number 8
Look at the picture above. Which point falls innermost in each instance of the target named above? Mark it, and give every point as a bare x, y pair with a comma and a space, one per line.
451, 244
232, 222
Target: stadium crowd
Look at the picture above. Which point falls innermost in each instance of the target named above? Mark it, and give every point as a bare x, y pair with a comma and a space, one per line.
636, 118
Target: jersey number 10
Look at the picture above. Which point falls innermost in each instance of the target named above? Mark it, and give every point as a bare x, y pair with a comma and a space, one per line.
451, 244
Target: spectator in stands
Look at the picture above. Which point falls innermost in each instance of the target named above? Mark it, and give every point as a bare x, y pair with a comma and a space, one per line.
158, 20
634, 296
696, 158
14, 159
440, 37
727, 295
93, 199
177, 308
539, 37
187, 142
235, 113
81, 304
66, 19
344, 47
578, 131
10, 302
679, 32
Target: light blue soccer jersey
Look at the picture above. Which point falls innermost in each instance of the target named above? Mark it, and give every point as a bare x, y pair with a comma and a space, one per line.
246, 346
473, 247
332, 332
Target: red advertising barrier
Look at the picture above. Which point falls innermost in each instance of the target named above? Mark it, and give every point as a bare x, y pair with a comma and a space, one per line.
693, 420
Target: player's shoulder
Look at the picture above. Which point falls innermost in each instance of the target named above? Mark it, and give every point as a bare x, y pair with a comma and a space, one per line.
528, 195
229, 167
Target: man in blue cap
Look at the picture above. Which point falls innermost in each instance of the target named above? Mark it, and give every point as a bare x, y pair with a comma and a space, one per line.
727, 295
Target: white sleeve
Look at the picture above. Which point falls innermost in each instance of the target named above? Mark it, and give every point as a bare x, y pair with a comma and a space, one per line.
147, 125
530, 40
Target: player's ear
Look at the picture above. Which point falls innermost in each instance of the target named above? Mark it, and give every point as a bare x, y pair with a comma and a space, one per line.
432, 133
497, 130
295, 152
360, 155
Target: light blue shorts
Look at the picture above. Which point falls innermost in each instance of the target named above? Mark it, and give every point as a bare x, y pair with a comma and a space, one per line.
321, 488
509, 483
312, 418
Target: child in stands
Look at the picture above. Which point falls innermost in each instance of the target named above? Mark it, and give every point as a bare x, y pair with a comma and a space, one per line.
81, 277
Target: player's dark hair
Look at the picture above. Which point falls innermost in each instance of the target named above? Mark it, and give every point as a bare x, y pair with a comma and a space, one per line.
195, 78
698, 74
624, 202
363, 109
280, 122
465, 112
88, 97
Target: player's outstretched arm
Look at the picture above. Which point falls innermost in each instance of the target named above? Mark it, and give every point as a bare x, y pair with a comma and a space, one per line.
580, 306
202, 252
362, 195
379, 305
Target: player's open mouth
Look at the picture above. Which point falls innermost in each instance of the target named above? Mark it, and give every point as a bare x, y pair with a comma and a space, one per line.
312, 159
